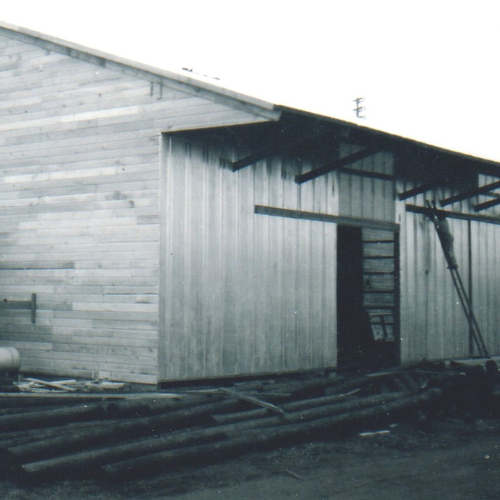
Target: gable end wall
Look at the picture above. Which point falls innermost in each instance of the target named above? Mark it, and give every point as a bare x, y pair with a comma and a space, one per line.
79, 216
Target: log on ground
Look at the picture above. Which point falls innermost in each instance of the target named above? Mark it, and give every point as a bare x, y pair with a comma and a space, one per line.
104, 433
254, 440
85, 462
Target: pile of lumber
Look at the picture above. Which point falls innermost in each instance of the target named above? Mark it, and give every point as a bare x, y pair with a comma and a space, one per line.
122, 435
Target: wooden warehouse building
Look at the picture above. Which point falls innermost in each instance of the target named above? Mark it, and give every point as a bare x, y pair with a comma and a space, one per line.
174, 230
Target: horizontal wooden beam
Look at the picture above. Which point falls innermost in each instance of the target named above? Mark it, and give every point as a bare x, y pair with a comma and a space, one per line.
335, 165
365, 173
452, 215
470, 193
320, 217
487, 204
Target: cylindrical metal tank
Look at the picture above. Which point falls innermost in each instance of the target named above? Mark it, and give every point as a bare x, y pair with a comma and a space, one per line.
10, 360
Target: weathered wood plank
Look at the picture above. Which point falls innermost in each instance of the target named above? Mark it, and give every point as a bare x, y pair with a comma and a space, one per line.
248, 263
79, 202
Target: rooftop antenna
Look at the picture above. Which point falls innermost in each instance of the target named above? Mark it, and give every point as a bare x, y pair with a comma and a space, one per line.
359, 110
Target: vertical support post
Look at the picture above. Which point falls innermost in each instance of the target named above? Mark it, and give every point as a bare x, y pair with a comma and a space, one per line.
469, 256
397, 295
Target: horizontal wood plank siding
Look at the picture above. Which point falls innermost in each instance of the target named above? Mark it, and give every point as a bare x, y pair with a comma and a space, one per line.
79, 208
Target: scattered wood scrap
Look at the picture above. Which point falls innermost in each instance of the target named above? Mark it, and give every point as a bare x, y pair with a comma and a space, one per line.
37, 385
59, 434
251, 399
30, 384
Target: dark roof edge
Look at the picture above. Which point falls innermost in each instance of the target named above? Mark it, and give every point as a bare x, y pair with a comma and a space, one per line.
175, 80
388, 135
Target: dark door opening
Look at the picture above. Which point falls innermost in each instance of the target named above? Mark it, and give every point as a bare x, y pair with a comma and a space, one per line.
354, 337
367, 299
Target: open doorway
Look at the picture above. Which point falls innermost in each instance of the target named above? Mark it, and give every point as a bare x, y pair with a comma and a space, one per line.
367, 299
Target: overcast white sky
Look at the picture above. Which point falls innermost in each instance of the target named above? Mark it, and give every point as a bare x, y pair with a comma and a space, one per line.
428, 70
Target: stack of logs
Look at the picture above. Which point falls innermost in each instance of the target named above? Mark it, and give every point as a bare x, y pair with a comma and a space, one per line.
44, 436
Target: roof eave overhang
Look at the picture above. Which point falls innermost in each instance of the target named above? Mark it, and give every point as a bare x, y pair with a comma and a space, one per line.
171, 79
396, 142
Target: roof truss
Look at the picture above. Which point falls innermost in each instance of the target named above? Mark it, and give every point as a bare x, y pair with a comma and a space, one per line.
470, 193
318, 141
422, 188
253, 158
277, 148
335, 165
487, 204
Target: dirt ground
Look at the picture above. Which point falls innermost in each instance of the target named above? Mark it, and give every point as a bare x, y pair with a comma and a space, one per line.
451, 461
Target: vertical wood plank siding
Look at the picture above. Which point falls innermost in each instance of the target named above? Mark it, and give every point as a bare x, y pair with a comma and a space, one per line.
433, 323
485, 240
79, 209
86, 203
367, 197
244, 293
